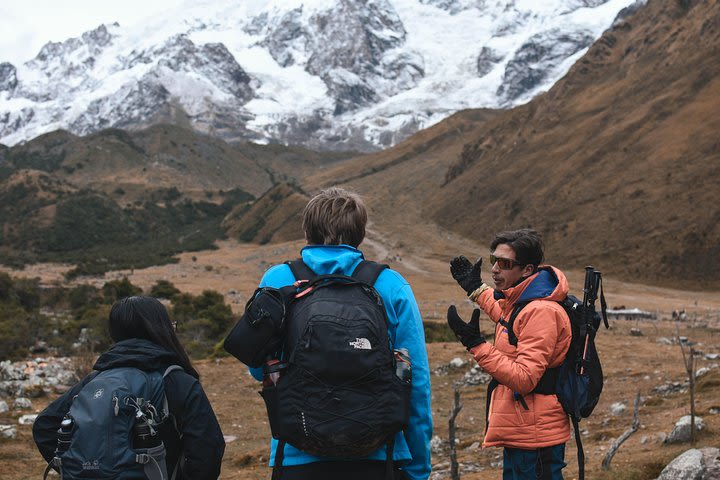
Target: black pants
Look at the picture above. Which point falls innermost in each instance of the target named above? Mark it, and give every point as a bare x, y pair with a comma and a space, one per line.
343, 470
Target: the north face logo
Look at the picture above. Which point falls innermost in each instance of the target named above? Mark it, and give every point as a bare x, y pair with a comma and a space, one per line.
93, 465
361, 344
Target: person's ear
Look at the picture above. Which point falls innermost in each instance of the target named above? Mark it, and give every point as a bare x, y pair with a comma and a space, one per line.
528, 270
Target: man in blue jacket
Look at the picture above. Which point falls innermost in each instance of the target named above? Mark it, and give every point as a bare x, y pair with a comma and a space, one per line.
334, 225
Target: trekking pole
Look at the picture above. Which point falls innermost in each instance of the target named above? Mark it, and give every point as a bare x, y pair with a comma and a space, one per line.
589, 283
588, 301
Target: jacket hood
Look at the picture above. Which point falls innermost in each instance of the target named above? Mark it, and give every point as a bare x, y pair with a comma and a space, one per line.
332, 259
548, 283
138, 353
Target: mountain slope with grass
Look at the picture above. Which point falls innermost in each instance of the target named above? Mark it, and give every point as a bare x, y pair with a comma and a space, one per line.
617, 164
116, 199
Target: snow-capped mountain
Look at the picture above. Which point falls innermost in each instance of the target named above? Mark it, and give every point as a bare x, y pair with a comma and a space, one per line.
339, 74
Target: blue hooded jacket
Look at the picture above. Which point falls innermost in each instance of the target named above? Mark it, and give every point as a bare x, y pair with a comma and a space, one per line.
412, 448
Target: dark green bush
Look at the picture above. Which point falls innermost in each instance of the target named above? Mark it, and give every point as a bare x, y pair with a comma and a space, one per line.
83, 297
79, 315
202, 321
116, 289
164, 289
438, 332
16, 336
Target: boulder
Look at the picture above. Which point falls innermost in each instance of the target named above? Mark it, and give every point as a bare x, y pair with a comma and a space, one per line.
3, 406
694, 464
436, 444
8, 431
457, 362
22, 403
476, 376
27, 419
681, 431
617, 408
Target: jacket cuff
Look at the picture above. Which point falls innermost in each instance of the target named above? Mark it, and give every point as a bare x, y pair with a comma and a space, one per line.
478, 291
479, 351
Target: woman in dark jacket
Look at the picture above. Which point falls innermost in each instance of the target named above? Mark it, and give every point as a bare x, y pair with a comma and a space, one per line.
145, 338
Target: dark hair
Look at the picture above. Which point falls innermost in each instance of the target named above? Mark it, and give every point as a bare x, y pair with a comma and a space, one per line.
526, 243
335, 216
147, 318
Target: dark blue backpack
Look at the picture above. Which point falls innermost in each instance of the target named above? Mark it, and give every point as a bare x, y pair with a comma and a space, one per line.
111, 429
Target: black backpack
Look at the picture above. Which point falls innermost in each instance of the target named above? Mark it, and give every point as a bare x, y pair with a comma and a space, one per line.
339, 395
578, 380
111, 429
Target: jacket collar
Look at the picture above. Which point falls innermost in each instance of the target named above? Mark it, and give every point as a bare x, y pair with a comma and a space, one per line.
331, 259
547, 283
138, 353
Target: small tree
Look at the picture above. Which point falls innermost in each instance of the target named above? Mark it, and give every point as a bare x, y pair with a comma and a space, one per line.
457, 406
689, 362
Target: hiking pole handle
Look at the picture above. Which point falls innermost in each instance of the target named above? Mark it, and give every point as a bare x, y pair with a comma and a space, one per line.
596, 285
589, 284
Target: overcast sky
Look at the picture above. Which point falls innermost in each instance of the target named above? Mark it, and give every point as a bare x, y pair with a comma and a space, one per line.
27, 25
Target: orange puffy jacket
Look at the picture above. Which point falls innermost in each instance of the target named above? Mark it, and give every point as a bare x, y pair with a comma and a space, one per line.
543, 332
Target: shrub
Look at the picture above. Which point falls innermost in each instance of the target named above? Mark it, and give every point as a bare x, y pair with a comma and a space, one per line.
164, 289
6, 285
83, 297
438, 332
117, 289
16, 336
27, 292
202, 320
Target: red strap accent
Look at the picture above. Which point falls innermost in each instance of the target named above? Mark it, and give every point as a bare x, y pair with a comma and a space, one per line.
304, 292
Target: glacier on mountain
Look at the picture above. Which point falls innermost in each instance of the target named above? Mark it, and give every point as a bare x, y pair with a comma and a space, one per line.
326, 74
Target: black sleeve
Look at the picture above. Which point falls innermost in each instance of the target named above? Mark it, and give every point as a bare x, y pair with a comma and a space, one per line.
203, 444
48, 421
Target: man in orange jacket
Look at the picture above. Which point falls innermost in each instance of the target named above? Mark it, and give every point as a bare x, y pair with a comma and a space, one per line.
532, 427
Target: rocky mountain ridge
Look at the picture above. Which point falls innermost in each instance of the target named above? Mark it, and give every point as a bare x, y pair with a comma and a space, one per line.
324, 74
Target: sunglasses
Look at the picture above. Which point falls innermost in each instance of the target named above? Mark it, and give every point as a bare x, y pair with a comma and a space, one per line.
504, 263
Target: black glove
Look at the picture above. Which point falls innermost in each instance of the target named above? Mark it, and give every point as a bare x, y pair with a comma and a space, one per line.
466, 274
468, 333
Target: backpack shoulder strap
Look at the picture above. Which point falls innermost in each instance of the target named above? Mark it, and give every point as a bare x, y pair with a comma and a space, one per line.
166, 406
512, 338
300, 270
368, 272
172, 368
166, 409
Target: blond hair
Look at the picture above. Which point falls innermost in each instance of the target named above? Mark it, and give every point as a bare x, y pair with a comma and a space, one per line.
335, 216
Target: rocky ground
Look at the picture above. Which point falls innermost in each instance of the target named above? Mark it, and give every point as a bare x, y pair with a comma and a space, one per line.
651, 365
